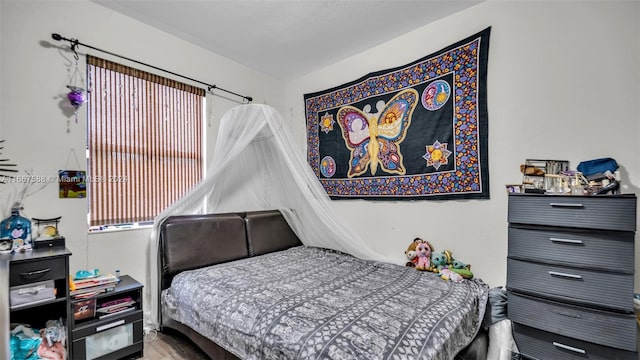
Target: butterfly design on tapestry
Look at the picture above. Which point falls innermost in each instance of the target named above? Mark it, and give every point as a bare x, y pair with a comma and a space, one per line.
374, 138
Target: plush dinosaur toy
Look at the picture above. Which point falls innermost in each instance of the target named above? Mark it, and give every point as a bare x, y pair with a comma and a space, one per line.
461, 268
440, 260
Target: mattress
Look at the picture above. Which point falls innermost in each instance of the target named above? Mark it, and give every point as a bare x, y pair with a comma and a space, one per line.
312, 303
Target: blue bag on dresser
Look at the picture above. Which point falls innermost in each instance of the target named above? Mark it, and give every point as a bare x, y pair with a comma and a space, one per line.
597, 166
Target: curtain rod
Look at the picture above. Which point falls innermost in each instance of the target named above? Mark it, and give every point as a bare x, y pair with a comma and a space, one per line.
74, 43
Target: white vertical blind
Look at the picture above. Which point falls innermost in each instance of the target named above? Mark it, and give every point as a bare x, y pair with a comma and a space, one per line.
145, 142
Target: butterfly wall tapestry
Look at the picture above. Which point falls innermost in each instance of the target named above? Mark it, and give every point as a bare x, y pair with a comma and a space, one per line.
415, 131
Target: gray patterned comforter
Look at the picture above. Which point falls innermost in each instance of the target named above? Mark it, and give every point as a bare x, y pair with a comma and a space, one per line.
311, 303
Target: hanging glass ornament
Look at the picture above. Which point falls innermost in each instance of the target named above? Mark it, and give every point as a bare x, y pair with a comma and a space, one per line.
76, 96
17, 228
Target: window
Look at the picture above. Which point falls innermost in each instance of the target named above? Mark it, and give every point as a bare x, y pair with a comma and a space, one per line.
144, 142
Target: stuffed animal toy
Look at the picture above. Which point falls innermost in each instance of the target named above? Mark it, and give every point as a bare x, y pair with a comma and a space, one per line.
440, 260
444, 260
411, 253
457, 264
423, 251
448, 274
461, 268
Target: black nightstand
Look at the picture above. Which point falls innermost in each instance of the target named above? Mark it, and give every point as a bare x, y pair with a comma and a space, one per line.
110, 336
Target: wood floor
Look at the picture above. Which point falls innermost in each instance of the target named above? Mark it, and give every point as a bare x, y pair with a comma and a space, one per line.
170, 346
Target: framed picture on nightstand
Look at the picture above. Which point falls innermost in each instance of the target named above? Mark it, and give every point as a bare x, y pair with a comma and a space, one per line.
85, 309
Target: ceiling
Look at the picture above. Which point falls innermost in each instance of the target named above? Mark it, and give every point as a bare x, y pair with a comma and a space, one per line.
287, 38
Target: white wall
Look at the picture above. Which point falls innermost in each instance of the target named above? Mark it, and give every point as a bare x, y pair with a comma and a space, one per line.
563, 83
34, 75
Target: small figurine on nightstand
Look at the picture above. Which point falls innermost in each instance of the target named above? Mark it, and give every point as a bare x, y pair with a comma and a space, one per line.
47, 229
46, 233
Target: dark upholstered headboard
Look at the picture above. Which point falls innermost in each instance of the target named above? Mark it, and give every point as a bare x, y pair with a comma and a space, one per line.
268, 231
194, 241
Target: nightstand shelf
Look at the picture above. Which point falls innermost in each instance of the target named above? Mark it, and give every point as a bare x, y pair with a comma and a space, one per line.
110, 336
39, 271
38, 304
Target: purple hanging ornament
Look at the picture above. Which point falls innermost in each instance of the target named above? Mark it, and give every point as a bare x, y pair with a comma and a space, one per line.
76, 98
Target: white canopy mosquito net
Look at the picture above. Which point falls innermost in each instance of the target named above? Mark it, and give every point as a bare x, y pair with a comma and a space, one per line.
256, 166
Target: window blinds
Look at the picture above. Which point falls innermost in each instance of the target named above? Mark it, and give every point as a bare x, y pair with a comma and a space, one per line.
144, 142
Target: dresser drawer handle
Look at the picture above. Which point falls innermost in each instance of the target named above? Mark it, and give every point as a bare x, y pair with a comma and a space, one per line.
566, 205
570, 348
570, 276
566, 241
34, 273
109, 326
562, 313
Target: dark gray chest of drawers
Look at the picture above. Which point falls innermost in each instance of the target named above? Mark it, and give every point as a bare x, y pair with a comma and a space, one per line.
570, 271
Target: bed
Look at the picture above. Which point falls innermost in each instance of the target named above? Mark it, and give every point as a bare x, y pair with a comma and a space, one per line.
242, 285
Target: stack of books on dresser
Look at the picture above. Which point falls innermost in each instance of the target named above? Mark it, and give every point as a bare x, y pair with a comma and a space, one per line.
86, 288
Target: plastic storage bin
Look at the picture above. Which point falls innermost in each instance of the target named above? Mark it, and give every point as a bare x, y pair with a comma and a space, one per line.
108, 341
33, 293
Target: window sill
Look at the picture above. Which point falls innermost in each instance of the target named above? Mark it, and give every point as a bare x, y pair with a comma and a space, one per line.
118, 228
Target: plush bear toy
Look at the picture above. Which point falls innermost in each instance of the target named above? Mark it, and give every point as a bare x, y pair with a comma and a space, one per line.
411, 253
